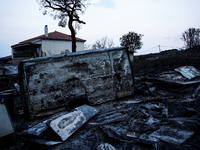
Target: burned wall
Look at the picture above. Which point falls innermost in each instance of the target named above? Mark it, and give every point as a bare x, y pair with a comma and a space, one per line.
49, 84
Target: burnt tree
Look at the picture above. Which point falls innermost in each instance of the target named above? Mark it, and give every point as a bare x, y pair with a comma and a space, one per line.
67, 12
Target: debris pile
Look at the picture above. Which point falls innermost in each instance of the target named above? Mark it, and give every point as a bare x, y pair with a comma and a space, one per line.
89, 104
168, 120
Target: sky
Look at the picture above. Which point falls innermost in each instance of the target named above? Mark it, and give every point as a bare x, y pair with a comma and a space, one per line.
162, 22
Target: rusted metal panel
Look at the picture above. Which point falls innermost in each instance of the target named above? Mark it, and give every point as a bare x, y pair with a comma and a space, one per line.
49, 84
188, 72
171, 135
68, 123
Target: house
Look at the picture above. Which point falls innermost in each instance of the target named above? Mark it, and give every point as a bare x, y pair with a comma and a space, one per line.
4, 60
44, 45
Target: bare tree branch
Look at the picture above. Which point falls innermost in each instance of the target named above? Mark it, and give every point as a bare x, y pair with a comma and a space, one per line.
191, 37
102, 43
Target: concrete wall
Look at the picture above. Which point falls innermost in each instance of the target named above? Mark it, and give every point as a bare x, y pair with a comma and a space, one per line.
52, 47
50, 84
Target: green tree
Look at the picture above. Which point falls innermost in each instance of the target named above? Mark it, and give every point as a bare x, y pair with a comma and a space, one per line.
66, 11
132, 40
191, 37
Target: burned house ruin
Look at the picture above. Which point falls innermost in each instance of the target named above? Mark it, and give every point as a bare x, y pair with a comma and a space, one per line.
97, 100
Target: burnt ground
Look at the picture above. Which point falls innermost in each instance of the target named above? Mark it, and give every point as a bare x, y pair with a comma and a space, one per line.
158, 116
128, 123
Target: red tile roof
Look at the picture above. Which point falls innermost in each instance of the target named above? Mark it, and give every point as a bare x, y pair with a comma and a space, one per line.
52, 36
15, 61
7, 57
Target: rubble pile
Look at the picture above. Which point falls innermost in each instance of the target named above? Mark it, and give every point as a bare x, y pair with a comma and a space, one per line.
97, 107
163, 120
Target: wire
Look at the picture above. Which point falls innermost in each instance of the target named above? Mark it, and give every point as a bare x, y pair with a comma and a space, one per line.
149, 49
159, 46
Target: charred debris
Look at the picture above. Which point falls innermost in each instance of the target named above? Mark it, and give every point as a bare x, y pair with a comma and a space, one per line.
99, 100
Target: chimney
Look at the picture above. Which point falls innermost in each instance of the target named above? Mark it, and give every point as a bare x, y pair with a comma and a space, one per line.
46, 30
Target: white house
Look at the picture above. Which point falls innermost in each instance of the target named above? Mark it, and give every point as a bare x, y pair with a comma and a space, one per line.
44, 45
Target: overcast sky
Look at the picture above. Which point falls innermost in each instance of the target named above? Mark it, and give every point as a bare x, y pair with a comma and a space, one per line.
162, 22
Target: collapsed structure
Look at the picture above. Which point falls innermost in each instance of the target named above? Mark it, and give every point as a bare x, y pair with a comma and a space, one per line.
90, 102
50, 84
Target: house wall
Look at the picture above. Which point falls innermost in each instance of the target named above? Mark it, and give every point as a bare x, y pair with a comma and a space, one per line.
52, 47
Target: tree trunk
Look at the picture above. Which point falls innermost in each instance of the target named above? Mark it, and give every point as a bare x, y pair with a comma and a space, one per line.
73, 35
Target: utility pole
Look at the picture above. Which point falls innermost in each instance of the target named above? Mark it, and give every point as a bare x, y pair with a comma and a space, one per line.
159, 48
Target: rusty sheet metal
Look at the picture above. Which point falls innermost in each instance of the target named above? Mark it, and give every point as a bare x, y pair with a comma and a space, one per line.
68, 123
107, 117
39, 128
188, 72
49, 84
171, 135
